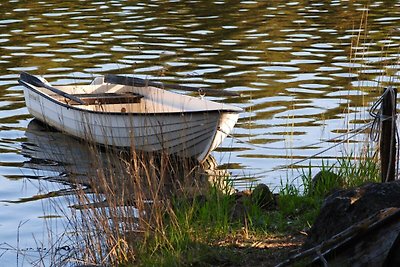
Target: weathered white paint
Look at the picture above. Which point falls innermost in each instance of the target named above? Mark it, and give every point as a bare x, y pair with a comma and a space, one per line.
162, 121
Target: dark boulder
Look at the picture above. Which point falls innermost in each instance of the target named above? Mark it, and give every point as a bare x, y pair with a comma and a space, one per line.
344, 208
325, 182
263, 197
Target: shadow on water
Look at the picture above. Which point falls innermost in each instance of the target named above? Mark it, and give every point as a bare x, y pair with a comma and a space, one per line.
77, 163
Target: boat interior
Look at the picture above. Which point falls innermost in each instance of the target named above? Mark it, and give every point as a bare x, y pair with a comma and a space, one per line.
107, 97
121, 99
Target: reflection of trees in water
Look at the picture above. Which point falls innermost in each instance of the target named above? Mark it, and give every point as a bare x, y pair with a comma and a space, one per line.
70, 30
290, 60
230, 37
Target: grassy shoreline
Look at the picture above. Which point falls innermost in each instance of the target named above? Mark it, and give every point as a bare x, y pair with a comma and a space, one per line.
157, 211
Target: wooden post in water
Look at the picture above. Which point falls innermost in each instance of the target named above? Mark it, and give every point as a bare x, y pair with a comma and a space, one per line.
388, 135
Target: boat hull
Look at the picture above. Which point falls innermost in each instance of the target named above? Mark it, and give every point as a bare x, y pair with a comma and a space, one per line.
187, 134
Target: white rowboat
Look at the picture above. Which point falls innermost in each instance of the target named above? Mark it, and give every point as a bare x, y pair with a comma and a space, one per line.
130, 112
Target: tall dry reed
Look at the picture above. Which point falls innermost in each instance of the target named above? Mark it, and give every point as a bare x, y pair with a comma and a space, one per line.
128, 204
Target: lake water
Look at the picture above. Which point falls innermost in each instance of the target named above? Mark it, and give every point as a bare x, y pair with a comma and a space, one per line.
308, 71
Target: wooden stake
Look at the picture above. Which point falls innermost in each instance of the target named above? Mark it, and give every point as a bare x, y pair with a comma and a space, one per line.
388, 135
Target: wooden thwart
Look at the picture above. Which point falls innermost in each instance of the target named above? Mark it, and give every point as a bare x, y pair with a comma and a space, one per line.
108, 98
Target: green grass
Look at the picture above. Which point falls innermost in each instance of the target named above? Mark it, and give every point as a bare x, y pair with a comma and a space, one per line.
194, 227
203, 226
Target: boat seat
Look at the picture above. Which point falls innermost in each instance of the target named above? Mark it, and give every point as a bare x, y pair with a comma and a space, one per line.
108, 98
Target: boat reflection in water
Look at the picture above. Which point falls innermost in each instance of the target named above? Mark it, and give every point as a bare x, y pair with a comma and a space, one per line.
69, 161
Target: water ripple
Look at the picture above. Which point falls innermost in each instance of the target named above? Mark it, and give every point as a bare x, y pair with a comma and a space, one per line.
299, 66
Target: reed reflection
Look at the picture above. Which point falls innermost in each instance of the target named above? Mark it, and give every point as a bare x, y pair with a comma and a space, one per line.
98, 169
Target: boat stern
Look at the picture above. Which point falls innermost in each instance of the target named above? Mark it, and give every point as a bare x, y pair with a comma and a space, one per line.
225, 126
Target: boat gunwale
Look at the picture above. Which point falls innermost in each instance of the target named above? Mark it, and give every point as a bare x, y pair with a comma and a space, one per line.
174, 113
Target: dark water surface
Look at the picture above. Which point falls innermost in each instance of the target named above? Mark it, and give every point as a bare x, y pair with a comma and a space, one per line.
307, 71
